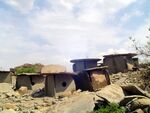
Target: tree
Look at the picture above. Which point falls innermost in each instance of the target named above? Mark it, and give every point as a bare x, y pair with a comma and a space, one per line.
142, 49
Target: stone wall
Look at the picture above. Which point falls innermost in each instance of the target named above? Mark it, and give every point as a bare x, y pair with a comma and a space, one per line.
116, 64
59, 83
5, 77
23, 81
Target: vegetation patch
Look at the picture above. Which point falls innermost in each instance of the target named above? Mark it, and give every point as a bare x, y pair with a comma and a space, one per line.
111, 108
21, 70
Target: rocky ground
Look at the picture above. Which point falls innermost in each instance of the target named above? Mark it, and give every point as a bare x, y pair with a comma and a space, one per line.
22, 103
78, 102
139, 78
19, 102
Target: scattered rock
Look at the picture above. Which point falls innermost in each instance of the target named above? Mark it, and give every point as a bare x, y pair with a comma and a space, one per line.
121, 80
134, 90
48, 100
139, 78
8, 111
112, 93
23, 90
144, 102
130, 66
9, 106
140, 103
128, 99
21, 101
38, 93
35, 111
78, 91
82, 103
138, 111
64, 94
38, 107
9, 94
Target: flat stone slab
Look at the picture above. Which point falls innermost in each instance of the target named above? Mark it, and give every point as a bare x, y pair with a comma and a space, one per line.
77, 104
53, 69
112, 93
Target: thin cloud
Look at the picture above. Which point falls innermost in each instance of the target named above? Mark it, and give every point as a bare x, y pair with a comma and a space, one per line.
65, 30
21, 5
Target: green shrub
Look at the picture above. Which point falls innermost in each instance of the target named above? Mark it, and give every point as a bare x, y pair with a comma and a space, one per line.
21, 70
111, 108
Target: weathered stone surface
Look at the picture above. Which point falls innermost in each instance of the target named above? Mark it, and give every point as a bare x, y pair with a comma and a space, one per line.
38, 93
64, 94
134, 90
130, 66
78, 91
53, 69
121, 80
128, 99
5, 87
138, 111
77, 104
23, 90
140, 103
98, 81
8, 111
144, 101
48, 100
9, 94
9, 106
112, 93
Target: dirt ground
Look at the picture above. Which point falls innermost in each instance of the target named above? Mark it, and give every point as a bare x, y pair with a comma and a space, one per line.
14, 102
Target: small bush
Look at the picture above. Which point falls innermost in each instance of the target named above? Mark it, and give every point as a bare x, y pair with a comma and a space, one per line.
21, 70
111, 108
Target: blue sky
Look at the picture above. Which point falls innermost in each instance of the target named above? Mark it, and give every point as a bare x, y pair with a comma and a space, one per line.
55, 31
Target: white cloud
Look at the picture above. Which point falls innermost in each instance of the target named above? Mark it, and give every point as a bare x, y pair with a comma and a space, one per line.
88, 10
71, 36
71, 29
20, 5
69, 3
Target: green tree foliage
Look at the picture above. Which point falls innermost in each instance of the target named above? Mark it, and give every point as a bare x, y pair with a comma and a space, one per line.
28, 68
21, 70
111, 108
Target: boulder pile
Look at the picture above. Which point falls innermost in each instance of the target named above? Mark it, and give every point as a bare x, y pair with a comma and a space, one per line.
21, 101
126, 89
139, 78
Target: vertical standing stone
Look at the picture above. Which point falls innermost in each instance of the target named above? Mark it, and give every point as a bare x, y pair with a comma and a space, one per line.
50, 86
